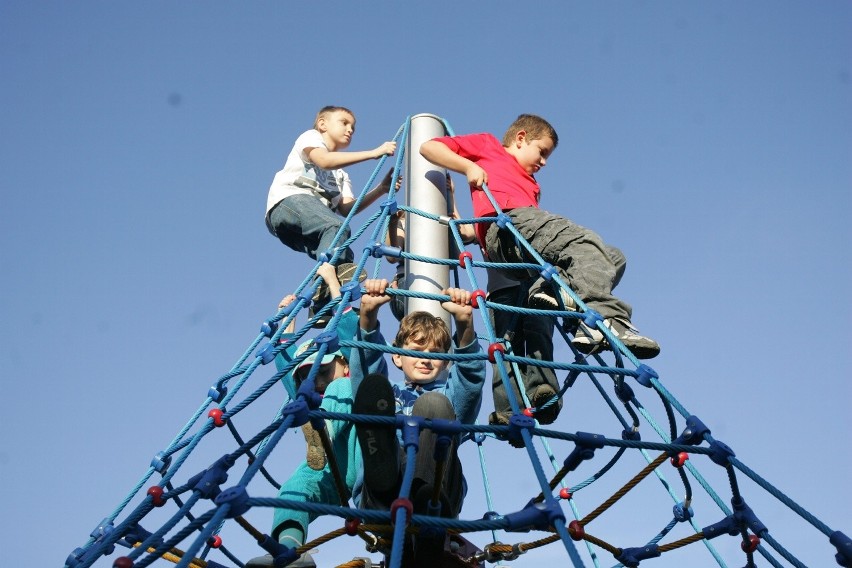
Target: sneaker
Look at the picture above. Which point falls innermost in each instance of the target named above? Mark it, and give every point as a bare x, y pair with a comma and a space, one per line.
544, 299
378, 443
591, 340
316, 454
266, 561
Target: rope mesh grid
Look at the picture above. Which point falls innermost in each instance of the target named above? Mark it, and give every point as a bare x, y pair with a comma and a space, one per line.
222, 499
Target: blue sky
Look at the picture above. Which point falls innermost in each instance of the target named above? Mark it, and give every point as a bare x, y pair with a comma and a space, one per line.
712, 142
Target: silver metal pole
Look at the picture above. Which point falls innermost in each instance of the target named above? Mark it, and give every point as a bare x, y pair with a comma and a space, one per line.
426, 189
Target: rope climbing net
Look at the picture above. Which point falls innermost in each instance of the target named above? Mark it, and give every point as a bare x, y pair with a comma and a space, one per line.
537, 506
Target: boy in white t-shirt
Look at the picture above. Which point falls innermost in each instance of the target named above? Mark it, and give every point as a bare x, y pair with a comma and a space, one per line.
307, 195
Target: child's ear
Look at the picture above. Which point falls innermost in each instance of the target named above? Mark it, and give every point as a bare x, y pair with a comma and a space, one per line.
520, 137
321, 126
397, 360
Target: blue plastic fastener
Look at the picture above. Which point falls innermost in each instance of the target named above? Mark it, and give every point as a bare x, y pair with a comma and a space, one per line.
843, 544
329, 338
237, 498
745, 516
307, 294
442, 446
539, 516
217, 393
631, 435
354, 289
682, 513
161, 462
645, 375
325, 256
101, 532
136, 533
390, 204
631, 557
548, 271
727, 525
503, 220
410, 430
720, 453
478, 438
518, 422
268, 328
267, 354
584, 449
74, 558
208, 481
591, 318
308, 393
299, 410
624, 392
693, 434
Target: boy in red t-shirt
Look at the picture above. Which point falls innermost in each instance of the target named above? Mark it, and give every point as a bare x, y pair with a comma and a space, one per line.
590, 267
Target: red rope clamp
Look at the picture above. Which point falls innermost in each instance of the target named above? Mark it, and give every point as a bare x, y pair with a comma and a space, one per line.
679, 460
216, 415
576, 530
404, 504
351, 525
495, 347
751, 545
564, 493
156, 493
464, 257
474, 298
122, 562
215, 541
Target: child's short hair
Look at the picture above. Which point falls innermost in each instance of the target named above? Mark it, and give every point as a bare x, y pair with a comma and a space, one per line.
327, 110
535, 127
424, 329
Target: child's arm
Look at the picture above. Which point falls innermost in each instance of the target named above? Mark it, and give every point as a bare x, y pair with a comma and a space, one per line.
372, 299
467, 232
328, 273
329, 160
441, 155
461, 310
346, 203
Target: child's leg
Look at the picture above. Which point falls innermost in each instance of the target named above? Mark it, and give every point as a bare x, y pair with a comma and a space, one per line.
305, 224
379, 445
305, 485
581, 257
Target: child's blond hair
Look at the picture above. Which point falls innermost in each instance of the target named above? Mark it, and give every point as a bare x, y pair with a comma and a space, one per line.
422, 328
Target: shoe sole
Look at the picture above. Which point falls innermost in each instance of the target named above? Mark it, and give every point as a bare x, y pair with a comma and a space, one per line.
378, 443
638, 351
316, 454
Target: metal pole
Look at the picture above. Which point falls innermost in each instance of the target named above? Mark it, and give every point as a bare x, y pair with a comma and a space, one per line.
426, 189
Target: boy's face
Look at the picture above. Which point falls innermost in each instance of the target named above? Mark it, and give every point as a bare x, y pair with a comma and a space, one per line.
417, 369
531, 154
338, 127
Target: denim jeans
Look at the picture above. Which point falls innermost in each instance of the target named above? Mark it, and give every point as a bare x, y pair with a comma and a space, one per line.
305, 224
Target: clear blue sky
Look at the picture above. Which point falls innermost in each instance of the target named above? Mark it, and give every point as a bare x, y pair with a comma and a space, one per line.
712, 142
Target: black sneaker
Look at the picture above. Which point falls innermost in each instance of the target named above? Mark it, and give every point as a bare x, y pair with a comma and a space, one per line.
378, 443
266, 561
545, 413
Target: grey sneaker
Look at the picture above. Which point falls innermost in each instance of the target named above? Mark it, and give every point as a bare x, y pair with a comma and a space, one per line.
544, 299
591, 340
266, 561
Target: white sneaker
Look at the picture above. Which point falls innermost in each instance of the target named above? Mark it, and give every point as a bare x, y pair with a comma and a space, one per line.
543, 299
592, 340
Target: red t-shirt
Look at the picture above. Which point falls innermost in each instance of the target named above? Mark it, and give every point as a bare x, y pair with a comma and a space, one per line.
508, 183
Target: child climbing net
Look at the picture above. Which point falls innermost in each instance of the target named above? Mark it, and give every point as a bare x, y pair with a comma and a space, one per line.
190, 512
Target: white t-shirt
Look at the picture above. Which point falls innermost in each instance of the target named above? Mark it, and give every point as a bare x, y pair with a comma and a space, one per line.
300, 176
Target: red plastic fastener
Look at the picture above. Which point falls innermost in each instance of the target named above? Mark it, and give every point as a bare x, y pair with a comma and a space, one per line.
122, 562
215, 541
401, 503
564, 493
679, 459
216, 415
464, 257
495, 347
576, 530
528, 412
156, 493
474, 298
351, 525
751, 545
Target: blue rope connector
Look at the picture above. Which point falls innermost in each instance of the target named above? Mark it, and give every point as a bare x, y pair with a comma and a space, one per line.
503, 220
208, 481
518, 422
217, 393
161, 462
631, 557
390, 204
237, 498
548, 271
624, 392
136, 533
727, 525
378, 250
299, 410
645, 375
745, 516
591, 318
720, 453
631, 435
268, 328
267, 354
584, 449
329, 338
410, 430
693, 434
843, 544
354, 289
538, 516
682, 513
101, 532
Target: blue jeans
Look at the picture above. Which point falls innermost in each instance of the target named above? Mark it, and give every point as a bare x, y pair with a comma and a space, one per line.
305, 224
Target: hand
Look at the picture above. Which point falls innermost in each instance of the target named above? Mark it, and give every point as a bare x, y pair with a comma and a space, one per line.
476, 176
459, 303
286, 301
371, 300
386, 149
327, 272
386, 182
